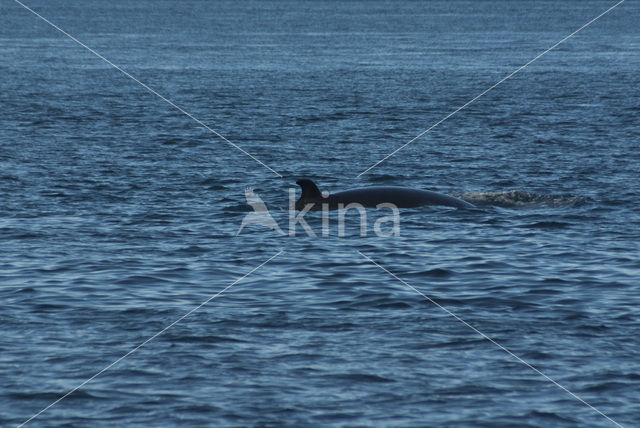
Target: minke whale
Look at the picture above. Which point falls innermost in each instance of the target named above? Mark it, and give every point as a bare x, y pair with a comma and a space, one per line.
371, 197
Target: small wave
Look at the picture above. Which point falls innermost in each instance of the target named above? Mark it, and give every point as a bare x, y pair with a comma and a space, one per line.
384, 178
360, 378
193, 250
521, 199
546, 225
205, 339
50, 395
608, 386
438, 273
393, 305
141, 280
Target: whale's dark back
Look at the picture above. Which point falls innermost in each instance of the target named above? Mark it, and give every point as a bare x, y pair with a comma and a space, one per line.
401, 197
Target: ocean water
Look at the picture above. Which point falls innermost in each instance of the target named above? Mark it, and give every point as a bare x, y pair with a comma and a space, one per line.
119, 214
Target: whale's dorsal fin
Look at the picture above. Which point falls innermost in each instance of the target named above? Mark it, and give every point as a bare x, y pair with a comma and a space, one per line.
309, 189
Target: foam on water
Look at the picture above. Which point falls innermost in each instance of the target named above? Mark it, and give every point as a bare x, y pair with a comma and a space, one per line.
522, 199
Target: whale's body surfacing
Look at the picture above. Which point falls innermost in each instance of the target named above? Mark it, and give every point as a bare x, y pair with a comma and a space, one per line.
371, 197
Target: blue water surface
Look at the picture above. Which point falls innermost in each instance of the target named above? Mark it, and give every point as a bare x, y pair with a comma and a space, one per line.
119, 214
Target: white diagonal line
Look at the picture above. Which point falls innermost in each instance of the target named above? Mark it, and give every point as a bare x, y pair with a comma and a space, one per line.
490, 339
150, 339
516, 71
148, 88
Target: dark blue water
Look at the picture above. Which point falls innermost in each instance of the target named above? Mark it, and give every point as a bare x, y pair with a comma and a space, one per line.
119, 214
